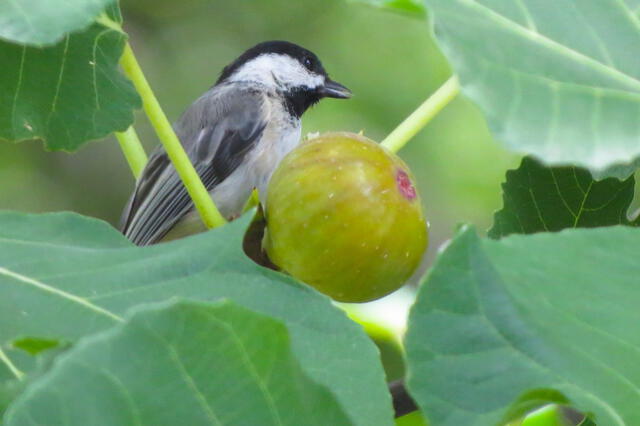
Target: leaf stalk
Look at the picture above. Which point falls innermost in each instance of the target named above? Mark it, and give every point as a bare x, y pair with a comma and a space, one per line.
422, 116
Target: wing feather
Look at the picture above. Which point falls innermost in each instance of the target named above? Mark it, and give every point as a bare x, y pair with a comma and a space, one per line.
217, 131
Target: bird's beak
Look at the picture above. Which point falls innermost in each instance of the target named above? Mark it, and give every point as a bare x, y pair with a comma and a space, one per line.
333, 89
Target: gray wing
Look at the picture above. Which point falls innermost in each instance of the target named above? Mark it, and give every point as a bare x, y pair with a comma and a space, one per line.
217, 131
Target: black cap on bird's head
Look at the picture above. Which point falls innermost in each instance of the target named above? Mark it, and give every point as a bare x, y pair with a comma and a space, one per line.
291, 69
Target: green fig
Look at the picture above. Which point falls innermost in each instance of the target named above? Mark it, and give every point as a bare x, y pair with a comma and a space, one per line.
343, 215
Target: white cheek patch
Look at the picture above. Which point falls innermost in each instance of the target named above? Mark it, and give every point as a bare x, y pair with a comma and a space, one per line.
280, 71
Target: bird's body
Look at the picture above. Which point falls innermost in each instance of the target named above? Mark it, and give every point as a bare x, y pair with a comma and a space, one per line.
235, 135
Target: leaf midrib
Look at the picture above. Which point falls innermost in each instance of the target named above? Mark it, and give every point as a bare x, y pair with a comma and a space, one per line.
23, 279
547, 42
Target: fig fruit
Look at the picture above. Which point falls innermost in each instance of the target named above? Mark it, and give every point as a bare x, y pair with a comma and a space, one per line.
343, 215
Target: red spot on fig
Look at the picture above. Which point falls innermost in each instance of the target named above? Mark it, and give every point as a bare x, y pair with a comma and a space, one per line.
405, 186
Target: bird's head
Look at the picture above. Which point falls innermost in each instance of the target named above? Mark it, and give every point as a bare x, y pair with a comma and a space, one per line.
287, 68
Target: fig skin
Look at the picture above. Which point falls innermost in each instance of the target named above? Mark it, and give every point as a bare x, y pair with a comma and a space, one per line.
343, 216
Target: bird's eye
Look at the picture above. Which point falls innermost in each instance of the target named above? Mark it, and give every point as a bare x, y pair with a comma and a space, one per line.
308, 63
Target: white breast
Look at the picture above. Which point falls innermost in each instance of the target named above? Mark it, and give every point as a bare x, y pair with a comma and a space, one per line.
279, 137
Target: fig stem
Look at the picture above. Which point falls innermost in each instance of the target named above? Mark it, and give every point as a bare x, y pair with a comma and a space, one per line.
422, 116
10, 365
208, 211
133, 150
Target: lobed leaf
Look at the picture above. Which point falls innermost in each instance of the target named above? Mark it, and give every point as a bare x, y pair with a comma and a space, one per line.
180, 363
68, 93
542, 199
85, 276
527, 320
9, 390
556, 79
41, 22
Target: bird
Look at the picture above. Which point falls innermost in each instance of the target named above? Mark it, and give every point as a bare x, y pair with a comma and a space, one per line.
235, 135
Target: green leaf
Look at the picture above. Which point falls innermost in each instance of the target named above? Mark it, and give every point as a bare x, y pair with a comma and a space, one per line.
555, 78
6, 373
35, 345
180, 363
9, 390
65, 94
59, 230
10, 386
498, 321
538, 198
69, 286
44, 21
410, 7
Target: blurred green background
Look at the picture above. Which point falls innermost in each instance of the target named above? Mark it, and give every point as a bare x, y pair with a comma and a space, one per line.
388, 60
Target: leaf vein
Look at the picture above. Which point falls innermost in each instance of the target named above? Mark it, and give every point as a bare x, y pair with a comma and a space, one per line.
18, 87
541, 39
188, 379
252, 369
10, 365
59, 293
564, 201
60, 74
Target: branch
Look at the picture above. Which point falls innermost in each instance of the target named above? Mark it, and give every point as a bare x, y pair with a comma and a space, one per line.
423, 115
209, 213
133, 150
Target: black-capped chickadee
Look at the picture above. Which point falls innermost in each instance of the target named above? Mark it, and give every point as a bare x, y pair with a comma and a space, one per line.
235, 135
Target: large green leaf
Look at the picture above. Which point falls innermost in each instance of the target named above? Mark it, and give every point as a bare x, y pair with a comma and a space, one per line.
68, 93
45, 21
557, 79
182, 363
410, 7
9, 390
6, 373
538, 198
12, 387
504, 325
84, 277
